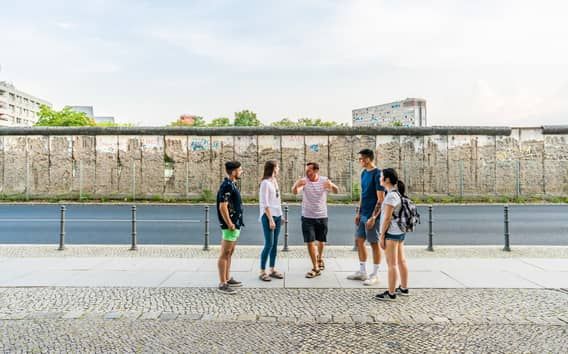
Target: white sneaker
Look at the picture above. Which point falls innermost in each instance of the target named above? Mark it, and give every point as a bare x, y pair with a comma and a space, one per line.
358, 276
373, 279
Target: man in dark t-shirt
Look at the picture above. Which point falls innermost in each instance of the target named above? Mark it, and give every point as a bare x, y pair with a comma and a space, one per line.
366, 223
230, 214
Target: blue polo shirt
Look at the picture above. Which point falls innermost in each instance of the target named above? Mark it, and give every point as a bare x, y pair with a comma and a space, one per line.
370, 184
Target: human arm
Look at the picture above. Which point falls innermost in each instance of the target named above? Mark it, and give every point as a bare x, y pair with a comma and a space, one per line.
264, 198
224, 209
299, 185
330, 186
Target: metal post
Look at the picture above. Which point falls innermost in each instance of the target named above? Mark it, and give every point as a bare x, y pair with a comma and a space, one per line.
134, 246
351, 181
430, 233
206, 235
62, 229
27, 177
507, 247
285, 249
518, 178
355, 239
133, 180
81, 180
461, 178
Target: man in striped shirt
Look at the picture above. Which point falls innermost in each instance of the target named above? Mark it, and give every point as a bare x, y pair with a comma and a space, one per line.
314, 189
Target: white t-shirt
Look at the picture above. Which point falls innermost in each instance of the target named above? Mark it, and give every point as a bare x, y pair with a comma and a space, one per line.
392, 198
314, 199
269, 197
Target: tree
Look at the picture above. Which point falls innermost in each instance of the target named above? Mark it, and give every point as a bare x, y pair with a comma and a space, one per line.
220, 122
306, 122
65, 118
246, 118
197, 122
286, 122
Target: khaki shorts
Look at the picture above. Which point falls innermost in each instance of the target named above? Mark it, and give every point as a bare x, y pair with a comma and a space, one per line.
231, 235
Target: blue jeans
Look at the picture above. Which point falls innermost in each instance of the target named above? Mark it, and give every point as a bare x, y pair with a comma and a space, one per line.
270, 241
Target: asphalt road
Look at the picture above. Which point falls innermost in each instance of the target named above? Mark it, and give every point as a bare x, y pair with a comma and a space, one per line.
159, 224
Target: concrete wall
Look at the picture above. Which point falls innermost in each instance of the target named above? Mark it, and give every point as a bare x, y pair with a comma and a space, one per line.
185, 163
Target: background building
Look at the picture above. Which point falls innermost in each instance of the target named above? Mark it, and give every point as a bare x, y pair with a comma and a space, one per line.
410, 112
18, 108
90, 112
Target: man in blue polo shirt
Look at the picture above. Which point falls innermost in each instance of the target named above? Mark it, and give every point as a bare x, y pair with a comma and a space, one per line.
366, 220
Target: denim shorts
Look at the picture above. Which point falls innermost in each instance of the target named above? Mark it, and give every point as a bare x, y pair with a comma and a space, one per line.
392, 237
372, 236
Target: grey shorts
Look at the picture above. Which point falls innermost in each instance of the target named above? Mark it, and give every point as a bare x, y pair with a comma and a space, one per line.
372, 236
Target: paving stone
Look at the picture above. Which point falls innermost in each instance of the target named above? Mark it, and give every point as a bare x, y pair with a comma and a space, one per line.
247, 317
191, 316
113, 315
152, 315
267, 318
362, 319
168, 316
73, 315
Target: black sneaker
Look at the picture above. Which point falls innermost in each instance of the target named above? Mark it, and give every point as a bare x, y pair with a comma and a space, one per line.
386, 296
234, 283
401, 291
226, 289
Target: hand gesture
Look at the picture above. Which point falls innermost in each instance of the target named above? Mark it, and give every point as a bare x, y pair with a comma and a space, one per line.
271, 224
370, 223
327, 184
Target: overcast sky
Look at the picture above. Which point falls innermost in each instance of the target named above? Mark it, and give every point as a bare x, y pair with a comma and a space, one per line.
475, 62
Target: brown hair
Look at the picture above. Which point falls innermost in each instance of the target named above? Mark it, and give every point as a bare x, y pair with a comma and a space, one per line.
314, 165
269, 167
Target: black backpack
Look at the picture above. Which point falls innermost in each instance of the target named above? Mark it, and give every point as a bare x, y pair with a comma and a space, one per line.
408, 215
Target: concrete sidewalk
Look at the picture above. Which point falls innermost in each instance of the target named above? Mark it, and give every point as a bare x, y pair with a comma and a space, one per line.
165, 272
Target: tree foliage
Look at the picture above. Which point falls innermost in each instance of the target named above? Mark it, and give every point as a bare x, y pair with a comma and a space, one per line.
220, 122
197, 122
66, 117
307, 122
246, 118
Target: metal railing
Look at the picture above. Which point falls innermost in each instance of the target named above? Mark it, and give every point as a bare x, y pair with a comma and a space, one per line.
133, 220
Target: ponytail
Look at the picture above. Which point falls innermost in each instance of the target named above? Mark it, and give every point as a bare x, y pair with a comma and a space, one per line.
401, 187
392, 176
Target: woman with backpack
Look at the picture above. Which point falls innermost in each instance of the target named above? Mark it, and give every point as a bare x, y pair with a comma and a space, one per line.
391, 238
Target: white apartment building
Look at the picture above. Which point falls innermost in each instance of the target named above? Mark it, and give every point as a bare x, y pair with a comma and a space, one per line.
17, 108
410, 112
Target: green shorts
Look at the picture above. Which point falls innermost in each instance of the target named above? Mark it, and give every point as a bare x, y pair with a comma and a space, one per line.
231, 235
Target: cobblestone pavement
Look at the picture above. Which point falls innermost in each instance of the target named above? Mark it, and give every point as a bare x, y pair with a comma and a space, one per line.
281, 320
183, 251
240, 337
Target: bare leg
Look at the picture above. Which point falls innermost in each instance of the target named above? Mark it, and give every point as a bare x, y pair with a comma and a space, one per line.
320, 249
391, 253
402, 266
313, 254
228, 269
376, 253
361, 250
223, 261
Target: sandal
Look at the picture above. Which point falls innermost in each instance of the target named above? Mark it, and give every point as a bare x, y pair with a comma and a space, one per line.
264, 277
313, 273
276, 274
321, 264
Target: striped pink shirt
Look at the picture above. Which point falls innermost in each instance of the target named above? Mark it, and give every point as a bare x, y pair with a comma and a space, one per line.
314, 199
